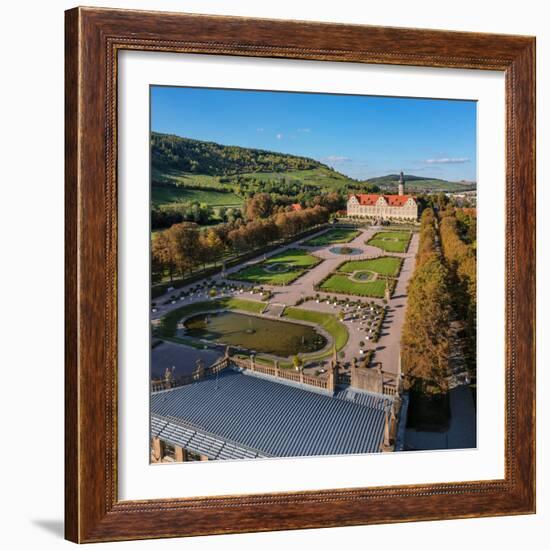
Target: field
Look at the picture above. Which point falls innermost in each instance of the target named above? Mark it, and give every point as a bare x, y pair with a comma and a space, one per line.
281, 269
166, 196
343, 284
182, 179
334, 236
319, 177
391, 241
388, 266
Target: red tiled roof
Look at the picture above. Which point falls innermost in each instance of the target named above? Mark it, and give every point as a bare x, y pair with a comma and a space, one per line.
397, 200
367, 200
296, 207
392, 200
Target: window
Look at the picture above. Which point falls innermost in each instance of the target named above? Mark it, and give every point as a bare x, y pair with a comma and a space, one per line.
168, 451
192, 456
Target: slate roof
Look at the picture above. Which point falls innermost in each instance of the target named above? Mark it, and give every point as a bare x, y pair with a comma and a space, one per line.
246, 416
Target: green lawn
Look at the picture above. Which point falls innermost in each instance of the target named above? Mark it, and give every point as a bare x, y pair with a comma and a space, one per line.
385, 265
295, 257
343, 284
363, 276
391, 241
258, 275
399, 235
334, 236
170, 321
327, 321
296, 261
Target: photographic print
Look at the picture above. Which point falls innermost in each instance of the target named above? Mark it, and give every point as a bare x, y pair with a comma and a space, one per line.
313, 274
275, 278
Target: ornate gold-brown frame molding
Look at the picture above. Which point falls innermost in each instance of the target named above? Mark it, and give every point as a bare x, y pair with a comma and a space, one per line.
93, 38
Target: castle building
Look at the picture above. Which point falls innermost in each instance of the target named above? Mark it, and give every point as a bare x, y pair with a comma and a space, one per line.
385, 207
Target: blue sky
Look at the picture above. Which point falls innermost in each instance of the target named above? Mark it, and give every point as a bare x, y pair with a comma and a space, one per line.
361, 136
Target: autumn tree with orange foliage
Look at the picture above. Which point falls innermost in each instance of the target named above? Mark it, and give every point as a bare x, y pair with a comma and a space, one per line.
460, 257
185, 246
426, 331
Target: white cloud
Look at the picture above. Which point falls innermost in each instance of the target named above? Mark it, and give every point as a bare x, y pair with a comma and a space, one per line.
335, 159
259, 129
448, 160
279, 136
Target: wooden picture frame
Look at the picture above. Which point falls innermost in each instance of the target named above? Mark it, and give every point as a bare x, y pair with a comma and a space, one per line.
93, 39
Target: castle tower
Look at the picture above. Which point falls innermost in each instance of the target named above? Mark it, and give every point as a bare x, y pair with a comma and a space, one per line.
401, 186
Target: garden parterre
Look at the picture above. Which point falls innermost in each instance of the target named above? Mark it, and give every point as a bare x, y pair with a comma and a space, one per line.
280, 269
334, 236
391, 241
345, 281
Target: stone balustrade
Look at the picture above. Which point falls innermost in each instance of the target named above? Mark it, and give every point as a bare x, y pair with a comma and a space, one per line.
374, 380
284, 374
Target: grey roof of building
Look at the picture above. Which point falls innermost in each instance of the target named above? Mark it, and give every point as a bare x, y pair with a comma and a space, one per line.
239, 415
182, 434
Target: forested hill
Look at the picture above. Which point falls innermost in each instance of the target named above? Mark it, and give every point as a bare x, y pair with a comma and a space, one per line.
170, 152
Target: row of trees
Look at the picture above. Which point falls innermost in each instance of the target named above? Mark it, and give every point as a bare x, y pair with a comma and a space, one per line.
184, 247
194, 211
426, 332
200, 213
264, 205
458, 246
291, 186
258, 206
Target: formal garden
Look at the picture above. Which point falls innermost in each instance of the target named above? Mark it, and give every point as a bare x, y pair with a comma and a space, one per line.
280, 269
306, 324
368, 278
334, 236
386, 266
391, 241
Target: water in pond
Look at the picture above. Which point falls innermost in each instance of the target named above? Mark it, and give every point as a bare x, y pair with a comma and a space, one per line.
280, 338
345, 250
362, 276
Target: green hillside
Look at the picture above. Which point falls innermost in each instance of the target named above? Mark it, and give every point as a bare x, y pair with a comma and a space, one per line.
201, 181
419, 184
169, 195
205, 157
318, 178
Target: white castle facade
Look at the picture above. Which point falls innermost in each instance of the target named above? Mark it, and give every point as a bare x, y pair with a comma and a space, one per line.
386, 207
